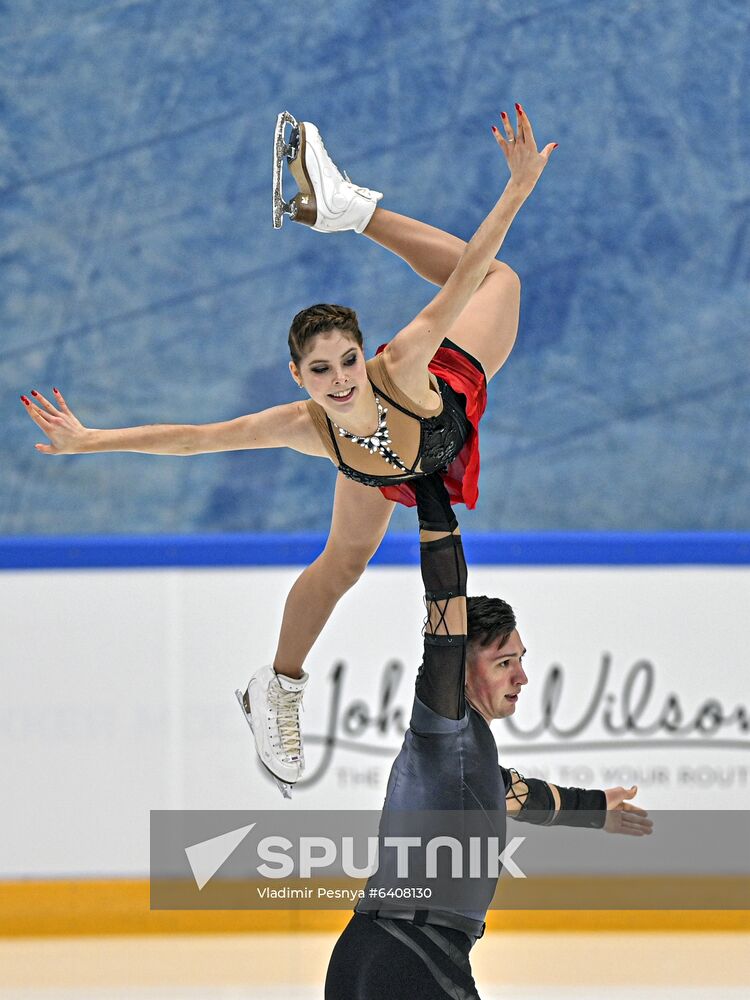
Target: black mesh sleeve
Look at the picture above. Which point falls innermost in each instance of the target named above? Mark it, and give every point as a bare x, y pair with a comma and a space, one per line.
440, 681
441, 677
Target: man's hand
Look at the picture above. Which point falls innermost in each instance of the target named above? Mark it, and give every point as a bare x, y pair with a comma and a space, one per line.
622, 817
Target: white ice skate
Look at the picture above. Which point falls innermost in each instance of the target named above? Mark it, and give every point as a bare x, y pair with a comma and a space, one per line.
327, 200
271, 705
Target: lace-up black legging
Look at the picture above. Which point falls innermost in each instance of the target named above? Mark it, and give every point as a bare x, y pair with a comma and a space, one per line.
376, 959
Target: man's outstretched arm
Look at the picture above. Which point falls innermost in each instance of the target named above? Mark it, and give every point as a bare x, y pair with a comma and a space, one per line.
532, 800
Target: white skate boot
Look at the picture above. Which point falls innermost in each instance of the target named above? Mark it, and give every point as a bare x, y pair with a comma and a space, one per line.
327, 199
271, 705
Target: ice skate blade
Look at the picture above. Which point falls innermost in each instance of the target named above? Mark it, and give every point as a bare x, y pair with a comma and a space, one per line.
284, 787
289, 151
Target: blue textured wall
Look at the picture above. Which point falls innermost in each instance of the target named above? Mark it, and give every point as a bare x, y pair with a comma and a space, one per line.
140, 272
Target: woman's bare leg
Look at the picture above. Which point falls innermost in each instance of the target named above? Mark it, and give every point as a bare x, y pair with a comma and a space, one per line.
431, 252
488, 325
360, 519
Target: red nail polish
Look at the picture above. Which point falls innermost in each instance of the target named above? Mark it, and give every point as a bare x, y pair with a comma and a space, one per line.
25, 400
57, 391
34, 392
503, 114
519, 109
494, 130
556, 145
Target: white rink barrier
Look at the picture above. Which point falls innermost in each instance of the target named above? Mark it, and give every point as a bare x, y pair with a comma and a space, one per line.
118, 694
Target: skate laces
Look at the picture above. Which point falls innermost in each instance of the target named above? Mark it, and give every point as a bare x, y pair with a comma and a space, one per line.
365, 192
286, 706
329, 158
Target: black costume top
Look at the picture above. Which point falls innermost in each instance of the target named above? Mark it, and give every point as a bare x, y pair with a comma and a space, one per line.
423, 441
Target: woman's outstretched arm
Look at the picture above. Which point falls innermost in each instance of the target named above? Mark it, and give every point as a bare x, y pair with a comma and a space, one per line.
413, 347
286, 426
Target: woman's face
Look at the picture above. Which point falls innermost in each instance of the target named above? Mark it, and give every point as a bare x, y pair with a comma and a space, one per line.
332, 371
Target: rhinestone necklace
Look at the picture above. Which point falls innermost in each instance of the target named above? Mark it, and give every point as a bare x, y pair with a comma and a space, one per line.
378, 443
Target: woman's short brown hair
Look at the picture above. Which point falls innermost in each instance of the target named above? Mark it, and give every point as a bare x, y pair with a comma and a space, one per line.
321, 318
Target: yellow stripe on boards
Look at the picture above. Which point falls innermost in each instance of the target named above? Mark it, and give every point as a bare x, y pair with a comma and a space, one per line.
121, 906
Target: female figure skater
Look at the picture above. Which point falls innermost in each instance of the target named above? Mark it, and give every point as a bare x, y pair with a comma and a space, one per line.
410, 411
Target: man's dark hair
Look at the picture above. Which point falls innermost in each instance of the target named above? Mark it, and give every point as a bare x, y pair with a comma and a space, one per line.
490, 620
321, 318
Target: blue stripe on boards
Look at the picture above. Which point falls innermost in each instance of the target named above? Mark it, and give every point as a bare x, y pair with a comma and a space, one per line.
548, 549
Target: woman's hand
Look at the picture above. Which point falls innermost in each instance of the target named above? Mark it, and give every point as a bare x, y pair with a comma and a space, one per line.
62, 427
526, 164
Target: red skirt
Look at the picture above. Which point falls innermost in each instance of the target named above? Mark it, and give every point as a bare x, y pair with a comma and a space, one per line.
464, 375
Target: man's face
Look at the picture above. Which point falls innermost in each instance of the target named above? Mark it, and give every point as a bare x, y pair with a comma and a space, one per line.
495, 676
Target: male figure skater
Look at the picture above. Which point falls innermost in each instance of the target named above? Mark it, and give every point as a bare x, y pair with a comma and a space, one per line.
472, 672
